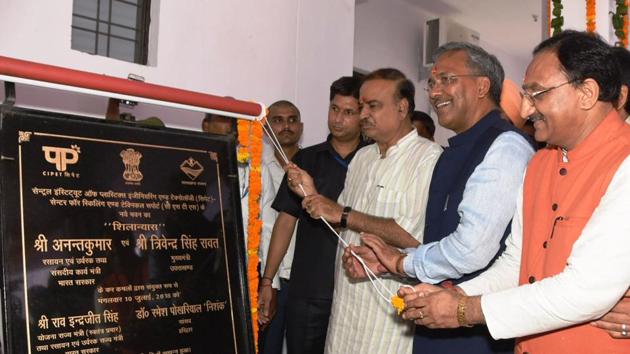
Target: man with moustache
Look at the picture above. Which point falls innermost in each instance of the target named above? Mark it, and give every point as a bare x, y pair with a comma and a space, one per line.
284, 119
472, 195
385, 193
566, 261
311, 286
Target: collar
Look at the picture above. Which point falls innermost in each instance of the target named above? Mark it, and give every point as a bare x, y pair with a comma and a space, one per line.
327, 146
476, 130
401, 144
606, 131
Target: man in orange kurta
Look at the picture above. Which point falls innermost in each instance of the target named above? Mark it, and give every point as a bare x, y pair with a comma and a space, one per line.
567, 261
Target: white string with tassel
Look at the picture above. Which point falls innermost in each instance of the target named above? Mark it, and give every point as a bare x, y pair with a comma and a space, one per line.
376, 281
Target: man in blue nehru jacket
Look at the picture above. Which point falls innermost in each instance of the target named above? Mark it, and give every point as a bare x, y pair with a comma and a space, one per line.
472, 196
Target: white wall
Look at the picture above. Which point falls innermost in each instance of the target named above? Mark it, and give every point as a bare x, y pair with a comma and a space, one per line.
388, 33
574, 14
251, 50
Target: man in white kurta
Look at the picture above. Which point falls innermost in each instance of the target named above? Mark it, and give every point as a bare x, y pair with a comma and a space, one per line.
392, 187
385, 193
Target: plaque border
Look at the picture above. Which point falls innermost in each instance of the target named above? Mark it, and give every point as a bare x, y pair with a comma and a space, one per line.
23, 114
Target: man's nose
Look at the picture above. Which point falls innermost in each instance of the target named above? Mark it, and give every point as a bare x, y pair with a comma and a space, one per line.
364, 112
434, 91
527, 108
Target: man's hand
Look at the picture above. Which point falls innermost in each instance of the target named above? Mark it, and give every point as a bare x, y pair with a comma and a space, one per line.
430, 306
319, 206
297, 177
617, 321
353, 267
266, 304
387, 255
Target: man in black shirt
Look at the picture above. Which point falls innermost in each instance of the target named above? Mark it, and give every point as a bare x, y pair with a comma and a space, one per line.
311, 286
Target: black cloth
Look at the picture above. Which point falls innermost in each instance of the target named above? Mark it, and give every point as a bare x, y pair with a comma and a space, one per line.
313, 266
307, 325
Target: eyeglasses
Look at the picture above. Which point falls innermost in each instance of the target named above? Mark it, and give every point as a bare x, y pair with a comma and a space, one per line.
536, 95
445, 80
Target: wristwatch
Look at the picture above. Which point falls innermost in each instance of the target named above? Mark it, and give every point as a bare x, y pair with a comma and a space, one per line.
344, 217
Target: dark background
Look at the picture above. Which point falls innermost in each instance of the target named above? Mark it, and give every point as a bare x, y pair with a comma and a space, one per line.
100, 167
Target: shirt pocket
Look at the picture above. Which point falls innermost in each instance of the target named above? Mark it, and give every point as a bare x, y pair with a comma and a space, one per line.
388, 202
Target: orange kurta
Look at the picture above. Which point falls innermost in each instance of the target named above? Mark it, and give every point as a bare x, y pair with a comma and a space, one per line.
560, 195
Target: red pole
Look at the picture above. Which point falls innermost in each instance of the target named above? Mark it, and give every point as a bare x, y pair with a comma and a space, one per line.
64, 76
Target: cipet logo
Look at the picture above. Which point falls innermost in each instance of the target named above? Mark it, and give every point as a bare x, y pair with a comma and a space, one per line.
61, 158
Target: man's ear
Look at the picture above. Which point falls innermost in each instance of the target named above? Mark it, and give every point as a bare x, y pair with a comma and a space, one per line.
483, 87
589, 94
623, 97
403, 107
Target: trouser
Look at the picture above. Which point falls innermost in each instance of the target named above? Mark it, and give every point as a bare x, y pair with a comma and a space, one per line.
273, 336
307, 324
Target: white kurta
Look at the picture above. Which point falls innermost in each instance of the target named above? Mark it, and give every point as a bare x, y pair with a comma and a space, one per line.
395, 187
597, 274
272, 175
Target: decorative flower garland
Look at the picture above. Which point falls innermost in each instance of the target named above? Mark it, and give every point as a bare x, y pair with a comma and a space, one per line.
558, 21
250, 151
620, 22
590, 16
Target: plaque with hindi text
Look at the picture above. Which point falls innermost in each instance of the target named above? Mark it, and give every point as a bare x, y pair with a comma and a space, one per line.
119, 239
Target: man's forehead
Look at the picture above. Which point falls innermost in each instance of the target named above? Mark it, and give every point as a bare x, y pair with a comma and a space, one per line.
543, 68
218, 119
449, 62
340, 100
374, 89
282, 111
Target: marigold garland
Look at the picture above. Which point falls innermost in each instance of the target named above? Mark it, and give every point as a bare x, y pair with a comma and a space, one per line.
590, 16
250, 151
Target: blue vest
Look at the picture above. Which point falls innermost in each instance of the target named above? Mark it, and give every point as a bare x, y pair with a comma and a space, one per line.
452, 171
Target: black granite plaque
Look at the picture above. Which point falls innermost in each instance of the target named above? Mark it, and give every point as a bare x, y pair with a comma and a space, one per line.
119, 239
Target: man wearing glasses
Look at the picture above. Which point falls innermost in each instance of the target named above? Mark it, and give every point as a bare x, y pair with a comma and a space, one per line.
473, 190
566, 261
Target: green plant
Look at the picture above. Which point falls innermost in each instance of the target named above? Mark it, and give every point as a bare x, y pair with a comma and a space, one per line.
618, 20
558, 21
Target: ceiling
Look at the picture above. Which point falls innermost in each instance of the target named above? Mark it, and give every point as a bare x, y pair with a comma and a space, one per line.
513, 25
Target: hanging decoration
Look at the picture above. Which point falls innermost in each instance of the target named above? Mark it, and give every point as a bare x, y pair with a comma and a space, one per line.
250, 152
590, 16
557, 21
620, 22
